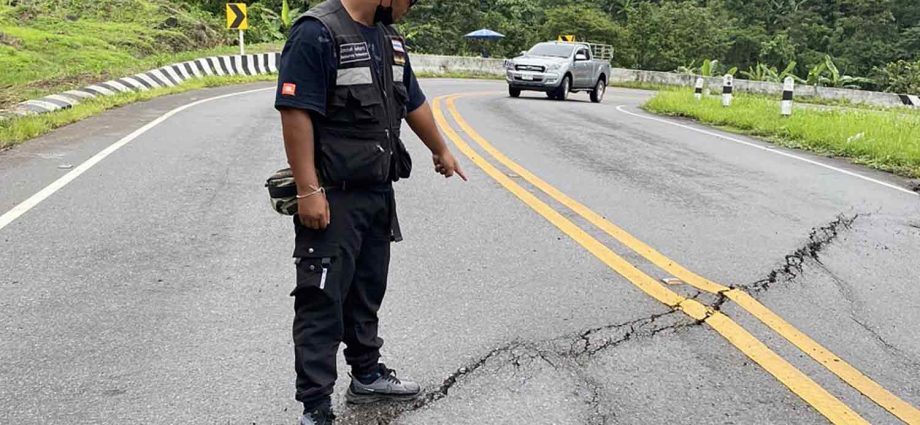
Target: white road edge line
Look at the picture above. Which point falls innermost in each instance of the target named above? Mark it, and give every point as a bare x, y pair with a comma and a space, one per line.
771, 150
49, 190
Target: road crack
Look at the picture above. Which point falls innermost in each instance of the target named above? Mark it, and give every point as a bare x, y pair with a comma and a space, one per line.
573, 352
570, 353
584, 339
845, 291
818, 239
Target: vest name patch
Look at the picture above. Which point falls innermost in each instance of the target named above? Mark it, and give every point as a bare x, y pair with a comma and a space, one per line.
288, 89
399, 51
354, 52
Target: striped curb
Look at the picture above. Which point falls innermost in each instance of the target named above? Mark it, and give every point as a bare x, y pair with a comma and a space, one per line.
167, 76
910, 100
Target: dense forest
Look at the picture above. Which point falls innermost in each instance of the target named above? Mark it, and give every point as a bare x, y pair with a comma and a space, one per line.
857, 43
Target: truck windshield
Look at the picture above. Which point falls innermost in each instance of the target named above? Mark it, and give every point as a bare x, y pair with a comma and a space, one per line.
551, 50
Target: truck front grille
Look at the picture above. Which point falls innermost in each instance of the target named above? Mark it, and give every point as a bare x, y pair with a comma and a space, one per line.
534, 68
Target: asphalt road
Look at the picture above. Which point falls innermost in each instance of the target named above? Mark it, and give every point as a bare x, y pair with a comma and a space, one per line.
153, 288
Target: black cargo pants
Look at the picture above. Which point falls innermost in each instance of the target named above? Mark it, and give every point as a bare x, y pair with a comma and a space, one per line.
341, 280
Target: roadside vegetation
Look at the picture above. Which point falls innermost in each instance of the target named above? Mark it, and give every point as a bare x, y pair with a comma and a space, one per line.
460, 74
869, 44
887, 140
17, 130
810, 100
48, 46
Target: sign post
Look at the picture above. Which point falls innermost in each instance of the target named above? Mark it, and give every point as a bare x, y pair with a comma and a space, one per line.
786, 104
728, 85
237, 19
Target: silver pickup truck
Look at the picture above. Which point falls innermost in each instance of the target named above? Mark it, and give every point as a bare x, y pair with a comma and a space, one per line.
558, 68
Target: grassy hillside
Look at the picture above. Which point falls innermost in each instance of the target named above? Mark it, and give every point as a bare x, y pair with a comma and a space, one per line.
52, 45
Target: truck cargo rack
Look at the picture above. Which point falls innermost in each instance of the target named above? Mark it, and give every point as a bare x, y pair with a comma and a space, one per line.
601, 51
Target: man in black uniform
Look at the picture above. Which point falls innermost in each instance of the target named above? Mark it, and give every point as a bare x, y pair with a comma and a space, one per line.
345, 85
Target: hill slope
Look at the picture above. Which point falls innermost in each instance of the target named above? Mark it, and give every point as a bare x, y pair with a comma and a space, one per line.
49, 45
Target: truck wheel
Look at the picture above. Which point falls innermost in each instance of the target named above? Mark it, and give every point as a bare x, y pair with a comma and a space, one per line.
513, 92
562, 93
597, 95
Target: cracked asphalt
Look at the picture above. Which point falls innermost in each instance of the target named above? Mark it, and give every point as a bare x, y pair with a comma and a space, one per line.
154, 287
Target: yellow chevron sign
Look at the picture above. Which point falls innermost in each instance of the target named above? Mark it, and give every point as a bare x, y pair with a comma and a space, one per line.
568, 38
236, 16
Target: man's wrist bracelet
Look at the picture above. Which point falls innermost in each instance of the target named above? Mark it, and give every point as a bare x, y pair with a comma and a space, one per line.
314, 192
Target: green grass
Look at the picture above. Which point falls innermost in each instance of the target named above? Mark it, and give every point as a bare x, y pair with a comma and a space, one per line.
17, 130
460, 74
48, 46
883, 139
811, 100
640, 85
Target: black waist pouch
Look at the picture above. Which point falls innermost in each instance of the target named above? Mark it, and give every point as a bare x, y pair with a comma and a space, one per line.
402, 161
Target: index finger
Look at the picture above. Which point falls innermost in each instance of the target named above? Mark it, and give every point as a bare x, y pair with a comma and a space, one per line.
461, 173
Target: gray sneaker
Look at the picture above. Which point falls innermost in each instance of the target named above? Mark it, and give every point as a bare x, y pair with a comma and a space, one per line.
387, 387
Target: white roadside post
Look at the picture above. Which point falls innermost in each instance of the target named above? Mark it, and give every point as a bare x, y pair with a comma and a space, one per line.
785, 105
727, 89
698, 90
242, 44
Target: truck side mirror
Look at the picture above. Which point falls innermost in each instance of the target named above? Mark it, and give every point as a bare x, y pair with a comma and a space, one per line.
580, 57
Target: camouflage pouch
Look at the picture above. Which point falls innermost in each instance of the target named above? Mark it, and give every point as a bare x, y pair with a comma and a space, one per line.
282, 190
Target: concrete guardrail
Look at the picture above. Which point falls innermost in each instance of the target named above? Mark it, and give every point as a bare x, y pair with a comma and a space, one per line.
175, 74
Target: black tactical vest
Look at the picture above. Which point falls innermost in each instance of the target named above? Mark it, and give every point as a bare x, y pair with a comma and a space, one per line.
357, 142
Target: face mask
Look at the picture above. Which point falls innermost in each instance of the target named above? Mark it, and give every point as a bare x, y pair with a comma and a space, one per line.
384, 15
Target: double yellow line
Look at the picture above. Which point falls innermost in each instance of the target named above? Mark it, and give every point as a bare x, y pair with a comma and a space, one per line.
799, 383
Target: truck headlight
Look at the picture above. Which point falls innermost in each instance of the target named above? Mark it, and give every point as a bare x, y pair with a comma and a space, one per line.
509, 65
554, 67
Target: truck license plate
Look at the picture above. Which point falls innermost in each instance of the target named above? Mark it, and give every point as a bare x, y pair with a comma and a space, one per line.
527, 77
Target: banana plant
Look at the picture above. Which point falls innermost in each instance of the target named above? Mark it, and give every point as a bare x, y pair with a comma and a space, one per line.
288, 14
709, 67
769, 73
285, 14
788, 72
688, 69
815, 74
756, 73
836, 79
752, 74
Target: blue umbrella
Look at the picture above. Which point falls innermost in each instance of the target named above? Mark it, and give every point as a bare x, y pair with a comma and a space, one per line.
484, 34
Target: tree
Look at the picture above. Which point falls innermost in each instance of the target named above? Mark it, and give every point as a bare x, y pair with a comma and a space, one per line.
862, 35
587, 23
666, 36
438, 26
902, 77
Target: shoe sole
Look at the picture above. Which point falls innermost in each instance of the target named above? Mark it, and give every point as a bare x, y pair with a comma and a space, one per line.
354, 398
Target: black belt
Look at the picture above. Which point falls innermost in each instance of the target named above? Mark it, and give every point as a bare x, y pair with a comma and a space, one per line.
346, 186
